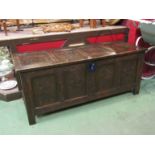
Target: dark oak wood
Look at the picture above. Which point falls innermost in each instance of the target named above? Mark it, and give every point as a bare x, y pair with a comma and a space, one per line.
71, 38
56, 79
9, 95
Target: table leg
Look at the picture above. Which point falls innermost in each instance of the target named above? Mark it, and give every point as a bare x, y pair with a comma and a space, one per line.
5, 28
92, 23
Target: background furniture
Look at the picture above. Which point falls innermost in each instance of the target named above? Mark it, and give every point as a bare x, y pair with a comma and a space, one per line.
147, 40
4, 23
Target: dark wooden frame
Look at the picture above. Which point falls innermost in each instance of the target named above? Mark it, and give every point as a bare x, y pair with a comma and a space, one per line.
70, 37
94, 92
122, 69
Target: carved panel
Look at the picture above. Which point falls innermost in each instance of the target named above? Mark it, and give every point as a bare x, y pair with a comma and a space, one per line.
105, 75
74, 81
128, 71
45, 89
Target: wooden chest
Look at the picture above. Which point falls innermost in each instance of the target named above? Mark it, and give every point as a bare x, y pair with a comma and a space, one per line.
56, 79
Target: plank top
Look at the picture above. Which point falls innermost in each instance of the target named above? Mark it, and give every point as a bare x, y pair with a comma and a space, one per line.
64, 56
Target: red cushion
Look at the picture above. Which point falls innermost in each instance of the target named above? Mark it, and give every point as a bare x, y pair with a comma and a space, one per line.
40, 46
34, 47
107, 38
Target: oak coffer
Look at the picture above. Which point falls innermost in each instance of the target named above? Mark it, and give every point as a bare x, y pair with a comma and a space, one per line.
56, 79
